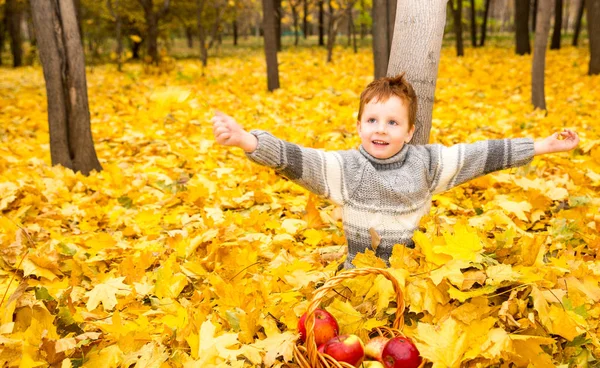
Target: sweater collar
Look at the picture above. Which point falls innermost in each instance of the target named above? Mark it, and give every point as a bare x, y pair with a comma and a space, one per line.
388, 163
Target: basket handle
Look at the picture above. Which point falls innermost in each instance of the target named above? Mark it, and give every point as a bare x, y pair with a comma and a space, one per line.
398, 324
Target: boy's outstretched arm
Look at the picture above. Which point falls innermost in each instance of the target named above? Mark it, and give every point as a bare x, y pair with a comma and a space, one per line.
229, 133
557, 142
316, 170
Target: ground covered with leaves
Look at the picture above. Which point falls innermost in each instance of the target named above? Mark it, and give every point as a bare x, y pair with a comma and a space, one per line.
181, 253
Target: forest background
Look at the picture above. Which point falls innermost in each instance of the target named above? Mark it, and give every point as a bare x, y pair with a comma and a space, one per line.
174, 252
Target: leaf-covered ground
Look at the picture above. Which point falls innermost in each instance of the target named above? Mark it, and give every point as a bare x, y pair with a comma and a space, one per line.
183, 253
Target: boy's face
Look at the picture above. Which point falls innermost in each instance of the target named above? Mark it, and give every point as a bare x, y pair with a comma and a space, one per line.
384, 127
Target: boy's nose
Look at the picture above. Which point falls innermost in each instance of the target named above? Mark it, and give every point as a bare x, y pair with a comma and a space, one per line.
381, 128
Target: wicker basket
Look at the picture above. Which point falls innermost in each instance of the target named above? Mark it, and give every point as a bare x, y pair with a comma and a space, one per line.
307, 356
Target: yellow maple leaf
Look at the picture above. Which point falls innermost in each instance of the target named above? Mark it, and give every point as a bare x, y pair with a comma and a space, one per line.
277, 345
444, 345
464, 244
213, 349
106, 293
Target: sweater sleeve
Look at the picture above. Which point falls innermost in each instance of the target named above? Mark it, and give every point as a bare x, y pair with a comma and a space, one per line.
452, 166
318, 171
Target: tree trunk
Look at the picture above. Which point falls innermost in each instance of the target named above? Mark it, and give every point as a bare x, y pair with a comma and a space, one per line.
201, 33
354, 43
539, 54
295, 19
331, 31
189, 35
2, 32
115, 12
235, 32
321, 25
593, 21
270, 44
363, 26
534, 13
473, 25
457, 13
152, 36
61, 55
555, 44
391, 18
381, 54
418, 33
135, 49
278, 15
578, 18
486, 12
522, 27
305, 18
13, 17
350, 25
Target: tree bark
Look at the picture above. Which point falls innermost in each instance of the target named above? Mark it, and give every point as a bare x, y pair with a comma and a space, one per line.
13, 17
538, 67
473, 25
331, 31
201, 33
152, 18
321, 24
457, 16
534, 13
555, 44
189, 36
61, 55
522, 27
305, 18
235, 32
270, 44
486, 12
418, 33
593, 21
350, 25
116, 13
578, 18
278, 15
2, 32
381, 54
391, 18
296, 20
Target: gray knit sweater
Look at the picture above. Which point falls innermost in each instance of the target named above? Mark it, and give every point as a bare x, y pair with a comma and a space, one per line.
389, 195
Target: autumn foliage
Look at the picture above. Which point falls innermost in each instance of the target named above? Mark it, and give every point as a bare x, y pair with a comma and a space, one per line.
182, 253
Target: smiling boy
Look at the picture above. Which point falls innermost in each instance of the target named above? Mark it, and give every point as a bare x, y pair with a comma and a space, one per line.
385, 184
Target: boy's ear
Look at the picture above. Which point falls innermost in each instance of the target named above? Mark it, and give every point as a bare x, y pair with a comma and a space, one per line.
411, 132
358, 126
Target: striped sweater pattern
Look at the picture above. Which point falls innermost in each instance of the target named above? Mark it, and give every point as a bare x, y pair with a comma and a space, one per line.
389, 195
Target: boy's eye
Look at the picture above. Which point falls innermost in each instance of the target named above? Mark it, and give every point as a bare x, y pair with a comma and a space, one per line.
371, 120
392, 122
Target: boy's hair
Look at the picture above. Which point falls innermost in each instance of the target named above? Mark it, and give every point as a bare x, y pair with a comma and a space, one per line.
384, 88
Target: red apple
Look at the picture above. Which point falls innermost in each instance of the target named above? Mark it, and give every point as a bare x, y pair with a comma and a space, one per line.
326, 327
400, 352
346, 348
374, 347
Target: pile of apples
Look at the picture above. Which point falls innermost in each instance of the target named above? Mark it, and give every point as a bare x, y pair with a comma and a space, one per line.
378, 352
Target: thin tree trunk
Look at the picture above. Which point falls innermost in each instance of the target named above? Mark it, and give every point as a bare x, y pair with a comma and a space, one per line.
577, 30
270, 44
534, 13
555, 44
538, 67
2, 32
331, 31
566, 16
391, 18
61, 55
321, 24
486, 12
522, 27
201, 33
235, 32
354, 43
305, 18
593, 21
115, 12
457, 16
189, 35
381, 54
278, 15
473, 25
349, 23
363, 26
295, 17
13, 17
416, 51
152, 18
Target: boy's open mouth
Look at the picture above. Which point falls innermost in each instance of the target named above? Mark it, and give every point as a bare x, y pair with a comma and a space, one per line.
380, 143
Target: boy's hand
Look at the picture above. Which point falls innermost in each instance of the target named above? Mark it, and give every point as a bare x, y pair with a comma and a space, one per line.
229, 133
557, 142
